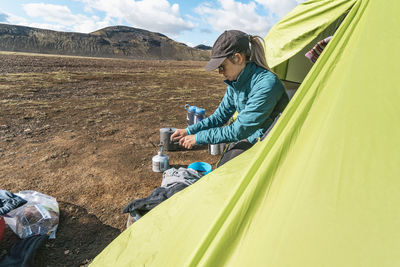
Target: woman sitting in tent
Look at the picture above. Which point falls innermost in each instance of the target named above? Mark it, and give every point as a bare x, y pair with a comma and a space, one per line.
253, 91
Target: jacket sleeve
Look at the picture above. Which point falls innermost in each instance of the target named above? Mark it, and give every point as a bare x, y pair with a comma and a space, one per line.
262, 99
220, 116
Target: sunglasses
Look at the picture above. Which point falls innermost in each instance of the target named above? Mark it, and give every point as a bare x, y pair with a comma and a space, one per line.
222, 66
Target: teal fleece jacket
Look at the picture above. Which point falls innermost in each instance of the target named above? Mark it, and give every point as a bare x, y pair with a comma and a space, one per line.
257, 95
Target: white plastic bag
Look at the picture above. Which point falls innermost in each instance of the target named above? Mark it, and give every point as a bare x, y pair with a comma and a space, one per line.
39, 216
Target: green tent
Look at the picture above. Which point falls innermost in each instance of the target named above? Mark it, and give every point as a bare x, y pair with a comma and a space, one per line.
324, 188
294, 35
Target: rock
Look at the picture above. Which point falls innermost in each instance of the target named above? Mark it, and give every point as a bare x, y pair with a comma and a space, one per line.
85, 263
64, 154
45, 158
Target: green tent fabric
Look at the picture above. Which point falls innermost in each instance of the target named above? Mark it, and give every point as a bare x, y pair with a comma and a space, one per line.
301, 26
323, 189
293, 36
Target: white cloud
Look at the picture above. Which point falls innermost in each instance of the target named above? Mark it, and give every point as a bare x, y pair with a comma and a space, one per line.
61, 18
54, 27
152, 15
279, 7
12, 19
190, 44
51, 13
3, 17
234, 15
253, 17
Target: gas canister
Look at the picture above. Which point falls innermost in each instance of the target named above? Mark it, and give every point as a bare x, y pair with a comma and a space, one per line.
160, 161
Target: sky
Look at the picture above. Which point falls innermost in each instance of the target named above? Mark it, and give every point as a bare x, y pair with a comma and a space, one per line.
192, 22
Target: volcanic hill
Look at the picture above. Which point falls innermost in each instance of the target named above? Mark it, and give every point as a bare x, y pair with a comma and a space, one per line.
116, 42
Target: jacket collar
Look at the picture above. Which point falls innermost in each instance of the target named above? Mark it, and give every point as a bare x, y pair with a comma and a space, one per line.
243, 77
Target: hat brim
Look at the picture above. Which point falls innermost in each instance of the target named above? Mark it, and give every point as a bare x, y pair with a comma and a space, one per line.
214, 63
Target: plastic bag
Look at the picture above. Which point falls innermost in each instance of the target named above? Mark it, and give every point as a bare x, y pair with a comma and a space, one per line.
39, 216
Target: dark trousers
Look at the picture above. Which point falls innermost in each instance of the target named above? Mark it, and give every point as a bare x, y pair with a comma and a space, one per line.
237, 148
234, 150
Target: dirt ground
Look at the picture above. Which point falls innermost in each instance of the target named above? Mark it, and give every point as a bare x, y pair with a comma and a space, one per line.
80, 130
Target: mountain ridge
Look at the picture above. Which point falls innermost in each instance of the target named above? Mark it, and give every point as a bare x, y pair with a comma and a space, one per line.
114, 41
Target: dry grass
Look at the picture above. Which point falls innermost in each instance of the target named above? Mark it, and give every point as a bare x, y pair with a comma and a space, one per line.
80, 129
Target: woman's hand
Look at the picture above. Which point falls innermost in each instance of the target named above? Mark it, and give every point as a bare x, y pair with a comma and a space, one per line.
178, 134
185, 140
188, 141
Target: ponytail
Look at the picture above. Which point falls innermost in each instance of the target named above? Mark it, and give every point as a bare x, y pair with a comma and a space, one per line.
257, 54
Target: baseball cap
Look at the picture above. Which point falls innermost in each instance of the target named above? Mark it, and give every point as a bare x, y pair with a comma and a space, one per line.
228, 43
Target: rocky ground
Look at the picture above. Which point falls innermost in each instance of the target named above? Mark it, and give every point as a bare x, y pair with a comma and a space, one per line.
81, 130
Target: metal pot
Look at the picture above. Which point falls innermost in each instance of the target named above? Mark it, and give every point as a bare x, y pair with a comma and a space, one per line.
165, 135
216, 149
